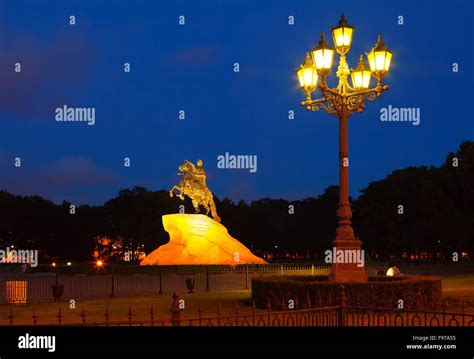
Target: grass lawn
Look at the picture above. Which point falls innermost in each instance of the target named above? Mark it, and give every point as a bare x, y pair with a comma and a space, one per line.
455, 289
459, 288
141, 306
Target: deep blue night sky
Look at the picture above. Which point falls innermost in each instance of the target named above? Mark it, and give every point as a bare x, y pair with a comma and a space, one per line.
191, 68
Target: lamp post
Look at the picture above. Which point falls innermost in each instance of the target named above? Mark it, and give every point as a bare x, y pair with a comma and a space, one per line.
342, 102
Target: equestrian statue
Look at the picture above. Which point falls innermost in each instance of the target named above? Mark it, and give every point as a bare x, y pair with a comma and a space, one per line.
193, 184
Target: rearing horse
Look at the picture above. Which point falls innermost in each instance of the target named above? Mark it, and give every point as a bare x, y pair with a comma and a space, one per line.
196, 189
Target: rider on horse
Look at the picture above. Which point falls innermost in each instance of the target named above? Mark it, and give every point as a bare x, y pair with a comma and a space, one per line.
194, 185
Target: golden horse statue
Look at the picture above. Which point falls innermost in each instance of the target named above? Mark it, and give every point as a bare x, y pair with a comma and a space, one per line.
193, 184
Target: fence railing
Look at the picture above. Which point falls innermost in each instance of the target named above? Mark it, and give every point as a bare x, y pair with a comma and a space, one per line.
302, 315
363, 316
20, 288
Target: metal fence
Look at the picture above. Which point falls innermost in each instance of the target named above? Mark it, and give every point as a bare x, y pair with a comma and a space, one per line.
20, 288
381, 317
302, 315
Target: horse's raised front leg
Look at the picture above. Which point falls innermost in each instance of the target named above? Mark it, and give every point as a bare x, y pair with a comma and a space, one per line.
171, 190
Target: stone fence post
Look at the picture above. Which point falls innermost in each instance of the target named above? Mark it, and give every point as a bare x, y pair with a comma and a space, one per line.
175, 311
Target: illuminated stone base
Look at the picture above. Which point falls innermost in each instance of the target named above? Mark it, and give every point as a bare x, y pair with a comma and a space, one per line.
347, 272
198, 239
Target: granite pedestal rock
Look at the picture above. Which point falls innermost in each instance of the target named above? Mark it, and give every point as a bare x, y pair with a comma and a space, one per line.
198, 239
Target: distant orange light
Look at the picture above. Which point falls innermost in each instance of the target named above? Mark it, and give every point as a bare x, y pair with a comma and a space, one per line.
53, 264
99, 263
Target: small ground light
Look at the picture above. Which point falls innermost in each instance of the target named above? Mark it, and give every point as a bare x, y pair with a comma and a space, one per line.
393, 271
68, 263
99, 263
53, 264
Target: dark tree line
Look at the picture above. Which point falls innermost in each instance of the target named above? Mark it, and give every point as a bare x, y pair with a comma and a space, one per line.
411, 210
438, 208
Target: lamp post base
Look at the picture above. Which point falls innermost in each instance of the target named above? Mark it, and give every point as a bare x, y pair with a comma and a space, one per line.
346, 267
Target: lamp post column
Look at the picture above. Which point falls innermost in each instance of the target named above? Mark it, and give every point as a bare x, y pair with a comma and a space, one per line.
345, 239
344, 213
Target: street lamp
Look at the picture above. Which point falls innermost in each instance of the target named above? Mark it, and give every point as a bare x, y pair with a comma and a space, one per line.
308, 76
361, 75
342, 36
342, 102
322, 58
379, 59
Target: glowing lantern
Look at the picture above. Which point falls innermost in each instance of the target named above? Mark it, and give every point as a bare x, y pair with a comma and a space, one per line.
322, 56
379, 58
361, 75
342, 36
307, 75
